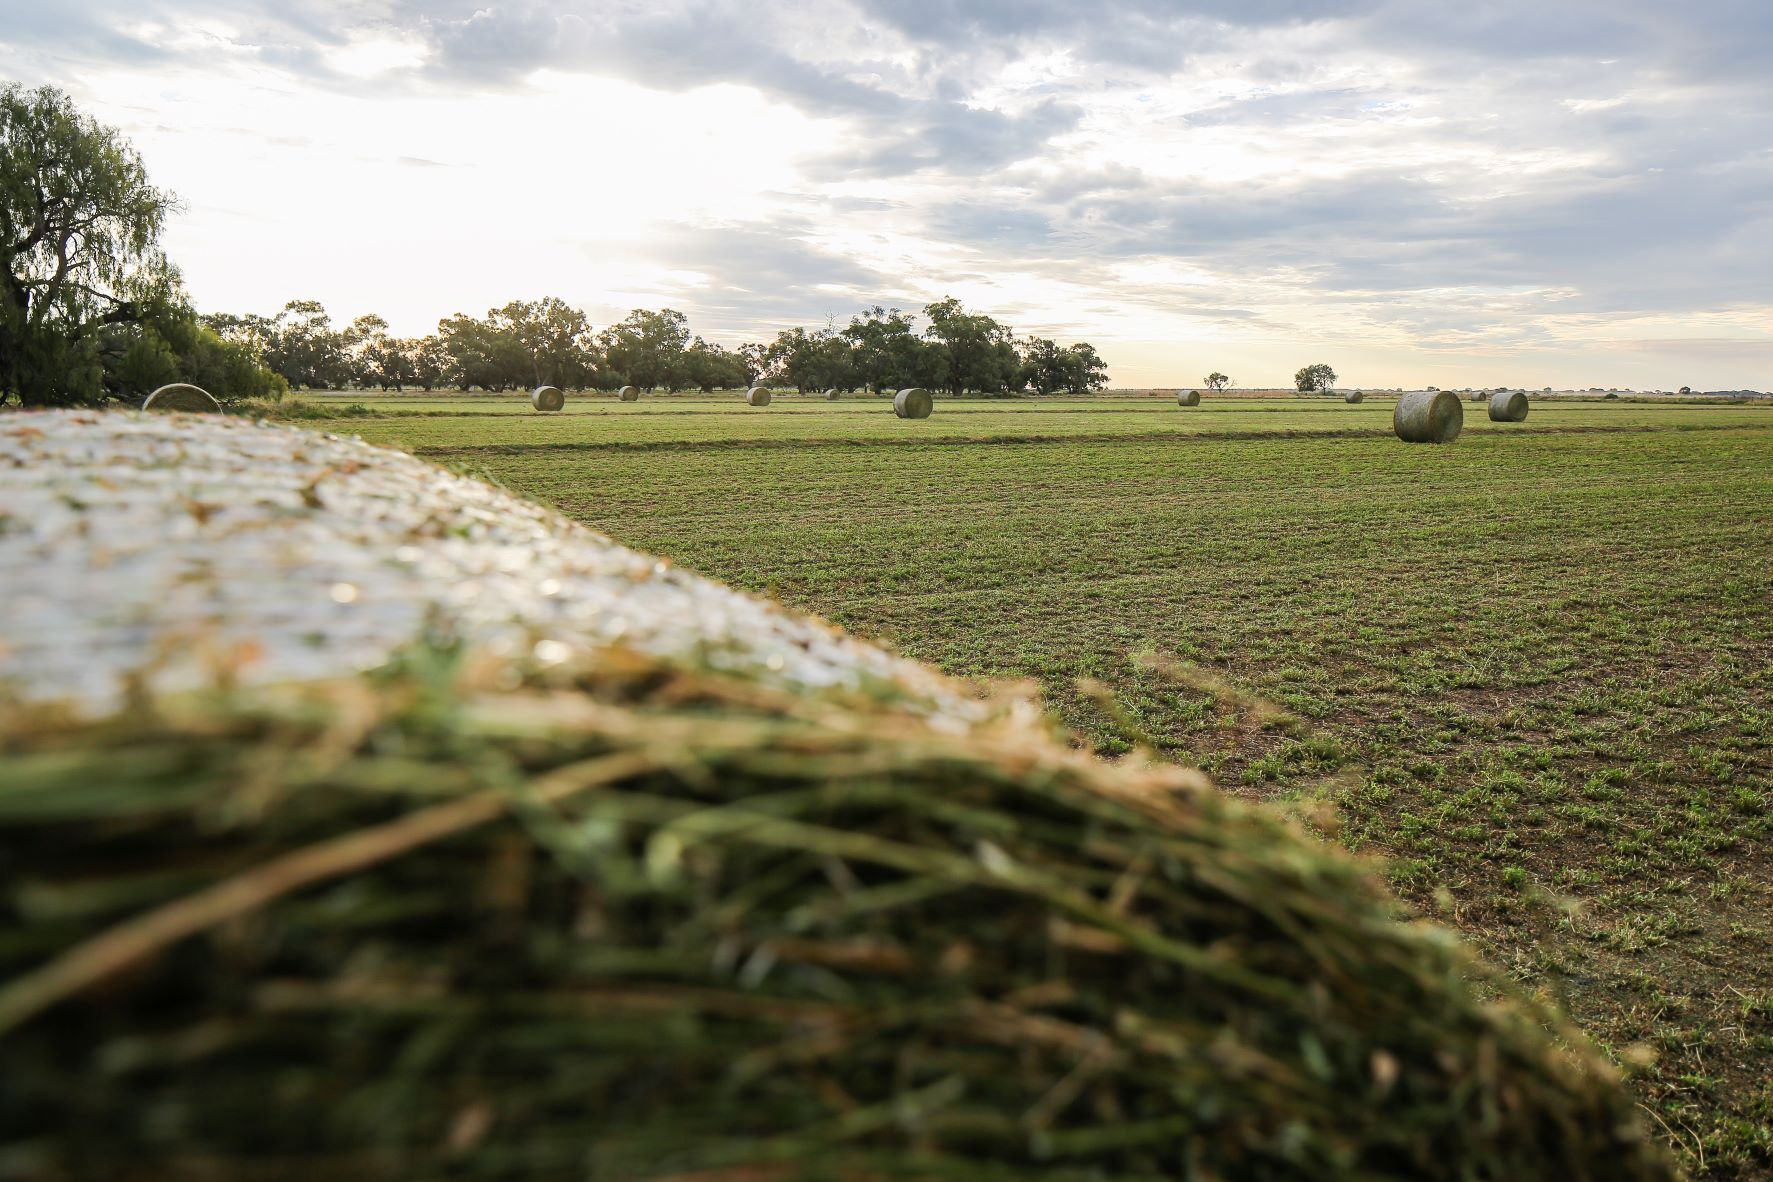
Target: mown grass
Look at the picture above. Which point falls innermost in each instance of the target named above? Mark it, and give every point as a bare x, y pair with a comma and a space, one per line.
601, 421
1533, 670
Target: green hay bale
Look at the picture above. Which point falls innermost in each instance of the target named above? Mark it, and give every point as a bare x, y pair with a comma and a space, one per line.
1188, 398
632, 916
757, 396
1508, 406
1428, 416
629, 394
1353, 397
547, 398
913, 404
645, 921
181, 396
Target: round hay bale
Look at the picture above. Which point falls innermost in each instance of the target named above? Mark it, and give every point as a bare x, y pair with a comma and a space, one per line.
547, 398
1508, 406
1354, 396
1428, 416
914, 403
757, 396
831, 395
718, 893
1188, 398
299, 564
629, 394
183, 396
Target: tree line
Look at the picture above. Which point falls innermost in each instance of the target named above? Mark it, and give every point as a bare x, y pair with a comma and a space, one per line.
91, 310
549, 342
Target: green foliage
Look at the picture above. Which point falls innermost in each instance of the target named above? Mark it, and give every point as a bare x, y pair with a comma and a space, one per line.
147, 362
548, 342
811, 361
1049, 369
886, 352
647, 349
80, 227
545, 343
1217, 381
978, 353
303, 347
228, 369
1314, 379
712, 367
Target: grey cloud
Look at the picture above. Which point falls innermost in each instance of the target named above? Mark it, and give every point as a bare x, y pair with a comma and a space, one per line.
898, 132
1125, 30
759, 275
948, 136
907, 78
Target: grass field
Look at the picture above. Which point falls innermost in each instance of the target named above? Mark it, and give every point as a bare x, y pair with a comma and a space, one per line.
1533, 670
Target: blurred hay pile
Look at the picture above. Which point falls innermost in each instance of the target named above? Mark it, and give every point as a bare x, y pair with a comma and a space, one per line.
643, 921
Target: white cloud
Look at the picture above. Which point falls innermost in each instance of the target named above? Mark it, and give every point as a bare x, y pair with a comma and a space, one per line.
1495, 189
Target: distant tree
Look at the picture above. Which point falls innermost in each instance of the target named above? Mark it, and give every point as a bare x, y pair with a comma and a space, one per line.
305, 348
1315, 379
80, 230
1686, 389
548, 342
254, 332
1087, 371
811, 360
473, 352
432, 365
1043, 365
978, 353
368, 352
711, 367
1048, 369
886, 352
647, 348
754, 356
1217, 381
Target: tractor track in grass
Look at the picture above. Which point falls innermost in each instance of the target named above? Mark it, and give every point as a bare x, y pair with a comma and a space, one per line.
456, 451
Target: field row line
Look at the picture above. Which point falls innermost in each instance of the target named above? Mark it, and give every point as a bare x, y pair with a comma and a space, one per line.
797, 442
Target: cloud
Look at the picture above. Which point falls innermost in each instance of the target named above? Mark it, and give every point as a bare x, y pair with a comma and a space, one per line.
1432, 176
744, 279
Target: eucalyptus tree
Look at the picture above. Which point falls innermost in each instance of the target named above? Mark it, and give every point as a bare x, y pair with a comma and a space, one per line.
1315, 379
647, 349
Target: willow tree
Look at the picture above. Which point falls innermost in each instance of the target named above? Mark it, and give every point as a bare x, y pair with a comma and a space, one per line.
80, 228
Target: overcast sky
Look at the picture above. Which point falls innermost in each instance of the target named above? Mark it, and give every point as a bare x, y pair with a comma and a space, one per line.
1522, 192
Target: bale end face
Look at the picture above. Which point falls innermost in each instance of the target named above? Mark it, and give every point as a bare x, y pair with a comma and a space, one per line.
1428, 416
1188, 398
757, 396
914, 403
185, 397
547, 399
1508, 406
